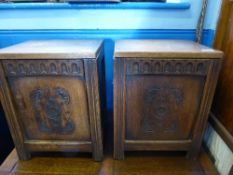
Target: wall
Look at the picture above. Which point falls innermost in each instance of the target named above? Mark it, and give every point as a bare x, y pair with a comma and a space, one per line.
111, 17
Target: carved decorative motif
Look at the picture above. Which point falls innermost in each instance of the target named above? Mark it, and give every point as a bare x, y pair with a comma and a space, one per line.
193, 67
51, 110
158, 114
44, 67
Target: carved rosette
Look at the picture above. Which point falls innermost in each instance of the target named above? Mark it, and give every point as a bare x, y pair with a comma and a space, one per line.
158, 115
178, 66
51, 109
15, 68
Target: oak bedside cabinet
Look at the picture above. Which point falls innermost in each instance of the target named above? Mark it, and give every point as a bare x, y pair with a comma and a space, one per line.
50, 94
163, 91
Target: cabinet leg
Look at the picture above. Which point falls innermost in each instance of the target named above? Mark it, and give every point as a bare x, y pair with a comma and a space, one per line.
98, 156
24, 155
192, 154
119, 154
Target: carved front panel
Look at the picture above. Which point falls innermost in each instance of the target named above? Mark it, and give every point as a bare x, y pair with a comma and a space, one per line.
164, 105
50, 98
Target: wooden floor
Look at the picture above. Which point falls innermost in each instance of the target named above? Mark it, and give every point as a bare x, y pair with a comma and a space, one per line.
150, 163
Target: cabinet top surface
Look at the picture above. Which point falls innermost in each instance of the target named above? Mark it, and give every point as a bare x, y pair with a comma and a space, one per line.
53, 49
163, 48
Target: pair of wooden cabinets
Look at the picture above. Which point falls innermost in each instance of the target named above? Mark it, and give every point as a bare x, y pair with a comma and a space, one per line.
51, 92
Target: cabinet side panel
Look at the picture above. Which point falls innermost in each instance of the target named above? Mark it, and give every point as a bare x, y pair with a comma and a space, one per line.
92, 84
11, 116
206, 101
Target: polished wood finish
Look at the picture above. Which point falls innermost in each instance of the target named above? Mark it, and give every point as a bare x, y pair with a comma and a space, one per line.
136, 163
223, 102
53, 104
49, 49
163, 49
163, 91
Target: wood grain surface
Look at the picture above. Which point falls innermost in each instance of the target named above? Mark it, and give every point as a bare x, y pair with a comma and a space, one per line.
135, 164
53, 49
163, 49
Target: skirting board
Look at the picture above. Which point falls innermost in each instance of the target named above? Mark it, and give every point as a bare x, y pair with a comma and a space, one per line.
219, 150
221, 130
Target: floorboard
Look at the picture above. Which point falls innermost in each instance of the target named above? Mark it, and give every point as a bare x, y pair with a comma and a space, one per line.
136, 163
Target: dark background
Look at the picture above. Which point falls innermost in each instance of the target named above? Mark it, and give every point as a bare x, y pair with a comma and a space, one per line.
6, 144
